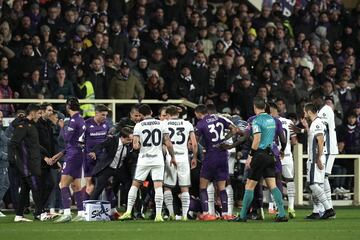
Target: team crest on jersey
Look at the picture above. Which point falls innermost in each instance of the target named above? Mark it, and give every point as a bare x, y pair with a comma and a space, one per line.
104, 125
317, 126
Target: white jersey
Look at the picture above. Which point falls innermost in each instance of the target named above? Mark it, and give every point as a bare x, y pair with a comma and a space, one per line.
229, 141
326, 114
286, 123
179, 131
316, 127
151, 132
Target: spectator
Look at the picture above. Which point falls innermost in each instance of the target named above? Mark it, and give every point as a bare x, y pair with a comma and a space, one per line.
63, 89
6, 93
155, 87
183, 87
347, 97
125, 85
290, 94
35, 88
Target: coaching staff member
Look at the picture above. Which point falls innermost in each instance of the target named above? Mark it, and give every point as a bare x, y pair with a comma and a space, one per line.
111, 164
261, 162
25, 155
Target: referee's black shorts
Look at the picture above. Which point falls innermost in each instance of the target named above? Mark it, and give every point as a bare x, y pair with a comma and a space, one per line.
262, 165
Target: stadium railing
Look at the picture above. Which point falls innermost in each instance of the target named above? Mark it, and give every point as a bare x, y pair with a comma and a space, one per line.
299, 176
111, 102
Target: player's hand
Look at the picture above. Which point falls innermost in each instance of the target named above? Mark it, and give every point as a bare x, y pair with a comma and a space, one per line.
92, 155
248, 162
173, 162
61, 123
224, 146
193, 163
282, 155
319, 164
295, 128
49, 161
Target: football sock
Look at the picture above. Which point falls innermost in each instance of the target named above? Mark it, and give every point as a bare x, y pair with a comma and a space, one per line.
211, 198
248, 197
159, 199
204, 200
230, 199
327, 190
185, 202
319, 193
66, 200
279, 201
224, 203
169, 201
131, 198
78, 199
291, 194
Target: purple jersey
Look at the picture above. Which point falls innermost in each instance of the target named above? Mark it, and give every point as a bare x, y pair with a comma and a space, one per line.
94, 133
74, 133
212, 128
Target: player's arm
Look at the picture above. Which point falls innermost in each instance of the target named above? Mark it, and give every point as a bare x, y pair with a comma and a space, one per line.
170, 148
69, 131
194, 143
136, 142
320, 144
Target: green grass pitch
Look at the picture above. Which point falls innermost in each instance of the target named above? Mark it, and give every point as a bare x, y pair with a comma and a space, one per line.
345, 226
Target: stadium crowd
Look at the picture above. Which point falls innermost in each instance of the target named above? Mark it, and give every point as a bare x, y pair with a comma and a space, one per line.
223, 55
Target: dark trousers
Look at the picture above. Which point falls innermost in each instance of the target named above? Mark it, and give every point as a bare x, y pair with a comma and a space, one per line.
15, 179
102, 179
47, 184
30, 183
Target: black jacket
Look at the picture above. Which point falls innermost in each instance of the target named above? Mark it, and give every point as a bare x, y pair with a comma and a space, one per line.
45, 132
24, 150
108, 148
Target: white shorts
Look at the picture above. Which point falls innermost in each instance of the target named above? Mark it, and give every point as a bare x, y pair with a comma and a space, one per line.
231, 162
142, 171
330, 159
314, 174
180, 174
288, 170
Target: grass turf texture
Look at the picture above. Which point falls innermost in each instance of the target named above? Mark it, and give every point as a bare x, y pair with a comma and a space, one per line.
345, 226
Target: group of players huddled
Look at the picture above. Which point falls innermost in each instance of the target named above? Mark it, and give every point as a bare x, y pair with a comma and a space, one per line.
168, 160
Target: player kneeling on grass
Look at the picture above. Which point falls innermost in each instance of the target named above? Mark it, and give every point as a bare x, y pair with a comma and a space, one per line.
148, 137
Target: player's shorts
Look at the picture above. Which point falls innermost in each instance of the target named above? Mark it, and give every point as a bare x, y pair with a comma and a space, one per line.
329, 159
314, 174
89, 165
231, 162
180, 173
73, 163
215, 166
288, 167
262, 165
142, 171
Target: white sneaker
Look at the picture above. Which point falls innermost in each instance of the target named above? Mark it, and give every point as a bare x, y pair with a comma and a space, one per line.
46, 216
21, 219
2, 215
343, 190
337, 191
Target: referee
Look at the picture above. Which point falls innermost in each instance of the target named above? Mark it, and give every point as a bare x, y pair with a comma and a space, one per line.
261, 161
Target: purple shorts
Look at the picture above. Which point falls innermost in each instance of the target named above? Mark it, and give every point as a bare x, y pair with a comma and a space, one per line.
278, 166
73, 164
215, 166
89, 165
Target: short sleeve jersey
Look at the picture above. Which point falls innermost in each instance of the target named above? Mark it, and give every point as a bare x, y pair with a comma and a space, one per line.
151, 132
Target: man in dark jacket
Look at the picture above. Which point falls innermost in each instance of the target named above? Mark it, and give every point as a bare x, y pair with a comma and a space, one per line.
24, 154
45, 132
112, 163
